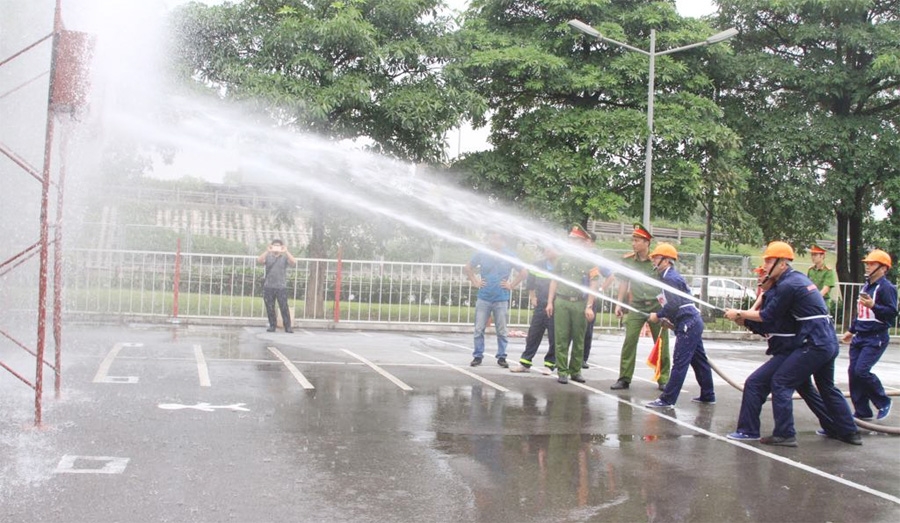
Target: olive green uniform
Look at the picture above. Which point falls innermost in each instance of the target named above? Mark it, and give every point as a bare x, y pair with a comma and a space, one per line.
569, 323
643, 297
823, 277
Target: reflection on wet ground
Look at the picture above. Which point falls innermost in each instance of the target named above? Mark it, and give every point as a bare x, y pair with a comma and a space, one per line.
397, 427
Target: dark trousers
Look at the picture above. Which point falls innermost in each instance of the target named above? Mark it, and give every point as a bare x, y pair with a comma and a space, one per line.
540, 322
269, 297
589, 334
758, 386
800, 364
865, 387
689, 352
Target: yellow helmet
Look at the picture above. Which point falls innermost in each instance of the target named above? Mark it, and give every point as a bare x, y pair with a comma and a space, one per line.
779, 250
665, 249
878, 256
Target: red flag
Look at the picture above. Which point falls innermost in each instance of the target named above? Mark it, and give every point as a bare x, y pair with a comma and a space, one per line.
654, 360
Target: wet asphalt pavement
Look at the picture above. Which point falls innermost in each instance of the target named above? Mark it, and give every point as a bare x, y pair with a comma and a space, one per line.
199, 423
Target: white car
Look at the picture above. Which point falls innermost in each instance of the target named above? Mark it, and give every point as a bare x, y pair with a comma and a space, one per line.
723, 292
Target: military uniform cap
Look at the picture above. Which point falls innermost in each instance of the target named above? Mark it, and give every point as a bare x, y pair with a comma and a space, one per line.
579, 232
641, 232
815, 249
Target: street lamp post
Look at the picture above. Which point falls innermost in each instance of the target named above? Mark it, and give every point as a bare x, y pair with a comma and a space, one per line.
652, 54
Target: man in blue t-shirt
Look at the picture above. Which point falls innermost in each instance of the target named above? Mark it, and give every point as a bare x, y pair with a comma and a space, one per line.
490, 273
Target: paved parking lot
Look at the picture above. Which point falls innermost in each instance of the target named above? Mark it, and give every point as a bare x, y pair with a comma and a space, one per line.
192, 423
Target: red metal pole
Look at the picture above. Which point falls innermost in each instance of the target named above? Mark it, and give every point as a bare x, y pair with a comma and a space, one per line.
57, 267
45, 226
337, 286
42, 272
177, 279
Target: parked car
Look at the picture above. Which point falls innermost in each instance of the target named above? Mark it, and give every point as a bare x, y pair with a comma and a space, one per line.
723, 292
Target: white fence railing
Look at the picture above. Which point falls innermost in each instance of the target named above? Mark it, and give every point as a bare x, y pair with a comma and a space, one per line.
142, 284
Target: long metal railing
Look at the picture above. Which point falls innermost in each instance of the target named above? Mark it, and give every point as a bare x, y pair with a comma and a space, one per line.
140, 284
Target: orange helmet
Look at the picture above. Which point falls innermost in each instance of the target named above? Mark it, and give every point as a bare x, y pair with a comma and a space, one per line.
779, 250
665, 249
759, 271
878, 256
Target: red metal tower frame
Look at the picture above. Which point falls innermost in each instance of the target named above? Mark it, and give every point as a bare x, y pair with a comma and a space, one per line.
66, 95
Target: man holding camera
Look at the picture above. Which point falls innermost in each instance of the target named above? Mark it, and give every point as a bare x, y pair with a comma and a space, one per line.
276, 259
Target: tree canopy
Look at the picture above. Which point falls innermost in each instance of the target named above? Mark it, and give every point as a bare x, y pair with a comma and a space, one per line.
815, 98
342, 69
776, 134
569, 112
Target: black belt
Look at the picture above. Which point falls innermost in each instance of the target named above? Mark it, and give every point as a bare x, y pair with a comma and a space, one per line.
570, 298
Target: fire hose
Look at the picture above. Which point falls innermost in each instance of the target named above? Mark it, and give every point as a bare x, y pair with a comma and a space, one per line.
861, 423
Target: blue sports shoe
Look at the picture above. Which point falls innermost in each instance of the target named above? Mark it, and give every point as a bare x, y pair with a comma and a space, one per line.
740, 436
884, 411
659, 404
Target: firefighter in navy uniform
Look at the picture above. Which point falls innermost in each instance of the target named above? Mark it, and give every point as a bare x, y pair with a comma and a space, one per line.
795, 295
869, 336
781, 340
688, 327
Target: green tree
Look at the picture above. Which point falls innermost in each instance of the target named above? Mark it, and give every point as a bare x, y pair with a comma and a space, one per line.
569, 113
816, 103
885, 234
343, 69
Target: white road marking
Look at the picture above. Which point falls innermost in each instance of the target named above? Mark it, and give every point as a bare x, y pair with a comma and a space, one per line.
381, 371
776, 457
294, 370
448, 343
202, 369
464, 371
205, 407
112, 465
102, 372
131, 380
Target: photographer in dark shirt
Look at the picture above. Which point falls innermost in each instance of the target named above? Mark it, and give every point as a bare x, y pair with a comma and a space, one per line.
276, 259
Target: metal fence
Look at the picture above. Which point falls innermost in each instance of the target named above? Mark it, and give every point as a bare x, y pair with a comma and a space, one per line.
142, 284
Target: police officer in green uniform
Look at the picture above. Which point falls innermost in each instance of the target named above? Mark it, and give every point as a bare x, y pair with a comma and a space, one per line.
572, 309
820, 274
643, 297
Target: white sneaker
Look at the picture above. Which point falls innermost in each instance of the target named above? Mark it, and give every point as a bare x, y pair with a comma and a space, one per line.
520, 368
